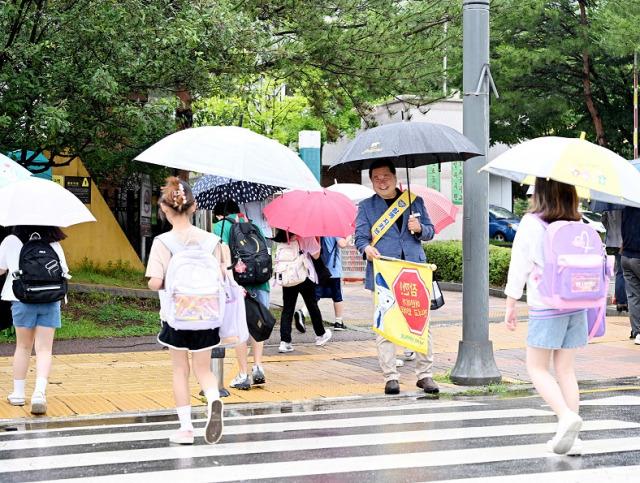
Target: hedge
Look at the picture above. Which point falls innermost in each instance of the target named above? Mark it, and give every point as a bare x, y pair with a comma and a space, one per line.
448, 258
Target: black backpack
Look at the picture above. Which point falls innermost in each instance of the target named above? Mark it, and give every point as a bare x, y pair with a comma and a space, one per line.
39, 278
252, 263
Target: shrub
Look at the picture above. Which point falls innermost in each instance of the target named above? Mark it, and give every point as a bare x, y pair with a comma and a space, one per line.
448, 258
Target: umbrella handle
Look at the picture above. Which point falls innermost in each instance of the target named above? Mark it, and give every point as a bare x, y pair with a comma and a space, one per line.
414, 215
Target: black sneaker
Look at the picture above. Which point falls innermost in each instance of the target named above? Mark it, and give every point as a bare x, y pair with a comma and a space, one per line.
298, 318
339, 326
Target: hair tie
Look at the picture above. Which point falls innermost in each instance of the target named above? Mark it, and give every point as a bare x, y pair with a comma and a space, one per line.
179, 193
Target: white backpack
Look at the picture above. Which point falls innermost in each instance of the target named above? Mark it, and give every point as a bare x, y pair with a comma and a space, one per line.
291, 265
193, 297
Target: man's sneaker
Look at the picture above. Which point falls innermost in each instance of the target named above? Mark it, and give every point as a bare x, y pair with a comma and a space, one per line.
339, 325
215, 425
298, 319
257, 375
241, 382
409, 355
38, 403
285, 347
637, 340
324, 338
184, 436
575, 450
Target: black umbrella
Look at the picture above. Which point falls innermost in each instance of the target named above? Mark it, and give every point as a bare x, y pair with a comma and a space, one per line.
211, 189
408, 144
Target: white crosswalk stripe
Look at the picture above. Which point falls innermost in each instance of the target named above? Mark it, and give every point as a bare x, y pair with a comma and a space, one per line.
370, 440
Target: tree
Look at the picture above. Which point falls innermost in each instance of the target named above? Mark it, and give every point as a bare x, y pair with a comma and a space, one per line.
556, 77
98, 78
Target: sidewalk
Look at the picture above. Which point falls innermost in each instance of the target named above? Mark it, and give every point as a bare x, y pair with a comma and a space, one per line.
127, 382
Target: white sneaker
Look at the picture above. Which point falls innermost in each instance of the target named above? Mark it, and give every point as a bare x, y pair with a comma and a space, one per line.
38, 403
575, 450
637, 340
399, 363
241, 382
409, 355
568, 429
324, 338
285, 347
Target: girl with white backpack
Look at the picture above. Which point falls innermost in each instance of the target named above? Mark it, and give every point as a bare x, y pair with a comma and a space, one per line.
178, 204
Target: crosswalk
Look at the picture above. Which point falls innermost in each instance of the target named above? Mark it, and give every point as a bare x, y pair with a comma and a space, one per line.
377, 439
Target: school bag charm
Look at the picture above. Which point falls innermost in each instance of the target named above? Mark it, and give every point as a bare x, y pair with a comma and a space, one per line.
39, 278
193, 297
251, 260
576, 267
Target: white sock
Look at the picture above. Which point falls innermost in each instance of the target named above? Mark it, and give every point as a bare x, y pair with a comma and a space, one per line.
184, 415
338, 320
41, 385
239, 374
212, 395
18, 387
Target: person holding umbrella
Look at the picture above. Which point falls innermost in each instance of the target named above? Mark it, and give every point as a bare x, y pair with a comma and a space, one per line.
403, 240
35, 324
178, 204
556, 333
230, 209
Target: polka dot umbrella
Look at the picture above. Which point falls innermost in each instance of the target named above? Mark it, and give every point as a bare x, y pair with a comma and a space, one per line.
211, 189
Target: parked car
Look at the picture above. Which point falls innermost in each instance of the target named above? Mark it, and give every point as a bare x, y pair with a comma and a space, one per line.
503, 224
594, 220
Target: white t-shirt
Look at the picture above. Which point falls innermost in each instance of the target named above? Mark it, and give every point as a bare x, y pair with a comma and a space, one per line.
9, 260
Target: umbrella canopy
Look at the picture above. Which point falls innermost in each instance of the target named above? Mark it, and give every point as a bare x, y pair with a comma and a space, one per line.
597, 172
36, 201
211, 189
354, 191
408, 144
601, 206
441, 210
10, 171
232, 152
312, 213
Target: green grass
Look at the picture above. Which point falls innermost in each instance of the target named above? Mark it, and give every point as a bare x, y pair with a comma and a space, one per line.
118, 274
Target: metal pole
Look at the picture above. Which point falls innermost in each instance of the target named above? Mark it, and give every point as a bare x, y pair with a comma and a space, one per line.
475, 364
635, 105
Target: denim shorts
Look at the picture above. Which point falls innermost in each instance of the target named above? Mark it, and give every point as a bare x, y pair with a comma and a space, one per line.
30, 315
263, 297
558, 332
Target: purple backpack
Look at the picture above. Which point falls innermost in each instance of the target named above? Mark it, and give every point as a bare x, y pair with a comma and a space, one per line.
576, 267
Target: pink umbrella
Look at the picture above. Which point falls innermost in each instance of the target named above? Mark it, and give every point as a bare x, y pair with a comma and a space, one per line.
441, 211
312, 213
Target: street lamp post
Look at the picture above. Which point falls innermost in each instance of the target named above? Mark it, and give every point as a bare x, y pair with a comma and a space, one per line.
475, 364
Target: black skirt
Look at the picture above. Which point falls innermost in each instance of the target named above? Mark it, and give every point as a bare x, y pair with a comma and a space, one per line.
191, 340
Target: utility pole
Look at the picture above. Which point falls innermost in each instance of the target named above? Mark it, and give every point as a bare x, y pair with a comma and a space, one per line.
475, 364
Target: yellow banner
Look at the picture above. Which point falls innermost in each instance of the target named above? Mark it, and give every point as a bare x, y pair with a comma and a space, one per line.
402, 300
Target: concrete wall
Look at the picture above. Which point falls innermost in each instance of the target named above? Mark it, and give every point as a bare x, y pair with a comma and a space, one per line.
102, 241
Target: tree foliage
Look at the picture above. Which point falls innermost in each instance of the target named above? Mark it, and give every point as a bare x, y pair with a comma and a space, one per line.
556, 75
104, 79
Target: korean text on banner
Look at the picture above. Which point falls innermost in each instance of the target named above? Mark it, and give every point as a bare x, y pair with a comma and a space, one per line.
401, 302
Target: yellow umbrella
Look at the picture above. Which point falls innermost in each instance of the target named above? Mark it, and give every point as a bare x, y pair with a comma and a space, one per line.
597, 172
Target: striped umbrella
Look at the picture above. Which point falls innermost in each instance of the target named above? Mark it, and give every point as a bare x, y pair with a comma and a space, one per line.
441, 210
211, 189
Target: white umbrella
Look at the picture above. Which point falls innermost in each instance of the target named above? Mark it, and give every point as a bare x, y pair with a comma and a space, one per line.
354, 191
232, 152
36, 201
10, 171
598, 173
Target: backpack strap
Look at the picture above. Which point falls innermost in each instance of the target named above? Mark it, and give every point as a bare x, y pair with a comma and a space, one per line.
170, 241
